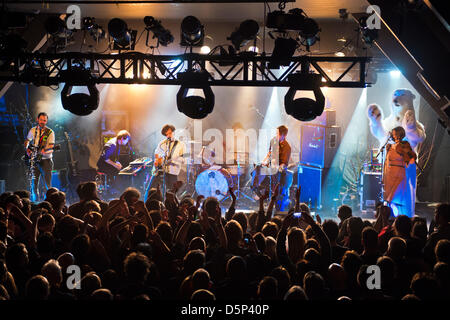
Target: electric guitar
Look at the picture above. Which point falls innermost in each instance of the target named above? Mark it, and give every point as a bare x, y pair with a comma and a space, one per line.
72, 164
36, 153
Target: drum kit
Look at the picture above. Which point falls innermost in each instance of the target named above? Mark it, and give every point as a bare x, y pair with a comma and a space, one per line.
211, 179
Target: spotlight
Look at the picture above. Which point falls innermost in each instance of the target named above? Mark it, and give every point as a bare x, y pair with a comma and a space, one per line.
395, 73
195, 107
285, 21
283, 51
163, 35
124, 38
247, 31
94, 29
192, 32
368, 35
205, 50
80, 104
304, 109
308, 33
296, 19
60, 35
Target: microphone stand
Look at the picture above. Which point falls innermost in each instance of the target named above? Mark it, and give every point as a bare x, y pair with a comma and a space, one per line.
270, 165
165, 166
382, 151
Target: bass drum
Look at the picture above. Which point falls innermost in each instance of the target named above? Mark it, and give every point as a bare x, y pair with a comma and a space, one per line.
213, 183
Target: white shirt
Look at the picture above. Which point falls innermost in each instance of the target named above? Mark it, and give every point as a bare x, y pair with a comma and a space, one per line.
174, 165
34, 139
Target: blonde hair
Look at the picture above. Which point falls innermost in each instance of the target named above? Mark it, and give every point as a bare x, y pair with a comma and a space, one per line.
123, 134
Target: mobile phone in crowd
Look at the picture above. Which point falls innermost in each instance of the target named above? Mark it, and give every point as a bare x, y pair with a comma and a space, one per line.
297, 215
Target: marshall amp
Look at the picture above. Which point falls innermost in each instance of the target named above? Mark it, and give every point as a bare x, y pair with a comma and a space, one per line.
319, 145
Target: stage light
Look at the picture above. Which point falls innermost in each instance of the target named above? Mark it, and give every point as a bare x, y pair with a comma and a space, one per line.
80, 104
339, 54
247, 31
297, 20
162, 34
195, 107
205, 50
124, 38
395, 73
253, 49
283, 51
94, 29
192, 32
308, 33
304, 109
368, 35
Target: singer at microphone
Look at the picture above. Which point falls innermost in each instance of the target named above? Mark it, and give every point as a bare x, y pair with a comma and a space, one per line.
172, 151
399, 158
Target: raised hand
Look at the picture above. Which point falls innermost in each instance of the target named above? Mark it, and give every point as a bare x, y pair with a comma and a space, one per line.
204, 221
306, 217
265, 195
318, 219
199, 201
287, 222
276, 191
233, 196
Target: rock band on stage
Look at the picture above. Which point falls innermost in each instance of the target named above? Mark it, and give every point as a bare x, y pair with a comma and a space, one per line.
204, 175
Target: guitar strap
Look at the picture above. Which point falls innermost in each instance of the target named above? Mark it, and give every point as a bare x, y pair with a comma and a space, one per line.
172, 150
43, 138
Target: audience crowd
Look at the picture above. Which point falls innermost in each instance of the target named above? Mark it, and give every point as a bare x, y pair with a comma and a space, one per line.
186, 249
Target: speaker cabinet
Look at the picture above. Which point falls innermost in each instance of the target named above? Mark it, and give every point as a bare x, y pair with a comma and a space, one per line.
310, 180
319, 145
370, 189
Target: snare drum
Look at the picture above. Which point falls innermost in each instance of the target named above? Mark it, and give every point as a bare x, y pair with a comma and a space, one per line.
213, 183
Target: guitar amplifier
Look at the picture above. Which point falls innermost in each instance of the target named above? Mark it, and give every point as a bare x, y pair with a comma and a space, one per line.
319, 145
310, 180
370, 189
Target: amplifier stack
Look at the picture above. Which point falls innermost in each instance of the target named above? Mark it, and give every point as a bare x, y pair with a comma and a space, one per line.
319, 141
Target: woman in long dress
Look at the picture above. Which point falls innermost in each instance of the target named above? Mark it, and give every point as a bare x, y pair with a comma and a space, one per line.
398, 191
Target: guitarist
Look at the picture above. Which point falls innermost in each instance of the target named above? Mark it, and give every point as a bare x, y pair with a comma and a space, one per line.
168, 158
39, 144
278, 158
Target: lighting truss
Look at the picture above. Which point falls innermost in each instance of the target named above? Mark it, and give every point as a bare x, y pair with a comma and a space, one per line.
138, 68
